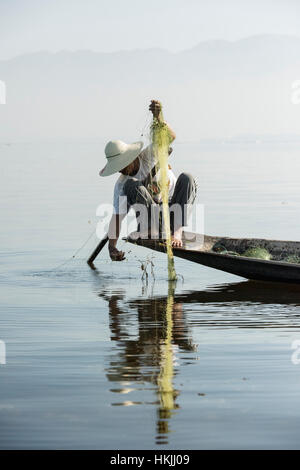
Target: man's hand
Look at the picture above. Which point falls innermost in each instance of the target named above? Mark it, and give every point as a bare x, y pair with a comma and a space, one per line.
155, 108
113, 234
115, 254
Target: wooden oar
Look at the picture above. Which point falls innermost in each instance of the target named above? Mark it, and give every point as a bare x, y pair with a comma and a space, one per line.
97, 251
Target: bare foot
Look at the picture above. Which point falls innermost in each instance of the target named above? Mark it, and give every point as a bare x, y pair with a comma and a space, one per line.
176, 242
176, 239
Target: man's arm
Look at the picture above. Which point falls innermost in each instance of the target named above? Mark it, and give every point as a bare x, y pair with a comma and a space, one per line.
113, 235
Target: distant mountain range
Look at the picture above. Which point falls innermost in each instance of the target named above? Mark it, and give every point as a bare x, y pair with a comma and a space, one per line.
215, 89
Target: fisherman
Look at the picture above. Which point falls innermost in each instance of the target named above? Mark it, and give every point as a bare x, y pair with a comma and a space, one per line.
138, 183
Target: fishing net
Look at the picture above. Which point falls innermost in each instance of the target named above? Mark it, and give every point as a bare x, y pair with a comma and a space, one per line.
252, 252
160, 138
257, 252
295, 259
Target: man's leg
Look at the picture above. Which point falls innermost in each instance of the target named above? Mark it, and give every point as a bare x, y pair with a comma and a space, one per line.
184, 196
137, 194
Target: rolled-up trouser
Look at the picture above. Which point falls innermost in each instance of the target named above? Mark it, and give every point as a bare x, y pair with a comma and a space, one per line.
184, 196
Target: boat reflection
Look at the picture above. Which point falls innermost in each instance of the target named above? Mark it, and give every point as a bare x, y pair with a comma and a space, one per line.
246, 291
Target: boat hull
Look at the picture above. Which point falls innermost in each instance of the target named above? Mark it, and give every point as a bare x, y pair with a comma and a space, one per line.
197, 248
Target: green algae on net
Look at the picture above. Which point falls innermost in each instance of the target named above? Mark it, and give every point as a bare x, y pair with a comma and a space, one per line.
252, 252
257, 252
222, 250
161, 141
292, 259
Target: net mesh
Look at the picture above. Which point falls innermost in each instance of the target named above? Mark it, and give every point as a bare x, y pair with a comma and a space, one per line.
160, 138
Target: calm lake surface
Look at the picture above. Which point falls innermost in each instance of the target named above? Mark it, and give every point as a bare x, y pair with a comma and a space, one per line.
102, 359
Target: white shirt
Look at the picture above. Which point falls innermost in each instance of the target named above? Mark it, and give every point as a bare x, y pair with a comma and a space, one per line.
147, 162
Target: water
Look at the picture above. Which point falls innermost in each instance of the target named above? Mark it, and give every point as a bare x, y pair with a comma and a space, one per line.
100, 359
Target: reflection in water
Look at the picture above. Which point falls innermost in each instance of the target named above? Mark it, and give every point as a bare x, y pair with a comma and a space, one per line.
246, 291
166, 391
150, 333
151, 355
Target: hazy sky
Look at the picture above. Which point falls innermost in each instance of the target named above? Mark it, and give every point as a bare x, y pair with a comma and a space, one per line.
110, 25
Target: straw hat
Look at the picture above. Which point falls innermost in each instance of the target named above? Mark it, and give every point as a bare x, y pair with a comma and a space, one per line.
119, 155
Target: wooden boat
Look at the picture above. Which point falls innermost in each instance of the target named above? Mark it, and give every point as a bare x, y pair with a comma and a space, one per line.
200, 249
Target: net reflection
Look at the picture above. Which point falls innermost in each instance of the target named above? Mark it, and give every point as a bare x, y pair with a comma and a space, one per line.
166, 392
150, 354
